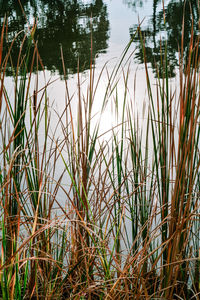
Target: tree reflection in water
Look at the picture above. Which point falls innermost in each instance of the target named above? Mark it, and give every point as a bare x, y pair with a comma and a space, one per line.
134, 3
158, 32
60, 22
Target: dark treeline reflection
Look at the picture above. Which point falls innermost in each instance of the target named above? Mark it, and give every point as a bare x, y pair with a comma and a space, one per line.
60, 22
158, 32
134, 3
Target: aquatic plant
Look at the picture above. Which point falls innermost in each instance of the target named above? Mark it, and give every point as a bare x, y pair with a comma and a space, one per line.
87, 214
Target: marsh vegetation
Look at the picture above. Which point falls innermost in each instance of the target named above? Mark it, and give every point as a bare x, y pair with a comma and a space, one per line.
88, 217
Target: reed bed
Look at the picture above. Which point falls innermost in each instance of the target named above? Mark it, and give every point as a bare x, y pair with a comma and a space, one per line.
128, 223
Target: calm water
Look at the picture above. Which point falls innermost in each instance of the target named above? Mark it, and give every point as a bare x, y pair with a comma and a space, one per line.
71, 24
111, 23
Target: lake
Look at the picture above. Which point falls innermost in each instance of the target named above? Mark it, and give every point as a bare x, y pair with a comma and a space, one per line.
101, 30
110, 25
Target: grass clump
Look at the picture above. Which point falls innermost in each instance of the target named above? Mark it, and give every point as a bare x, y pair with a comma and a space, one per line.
127, 226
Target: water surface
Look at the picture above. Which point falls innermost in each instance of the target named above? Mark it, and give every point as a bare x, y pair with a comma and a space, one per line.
97, 31
109, 24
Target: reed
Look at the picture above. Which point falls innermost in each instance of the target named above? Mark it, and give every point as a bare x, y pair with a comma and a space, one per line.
128, 223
